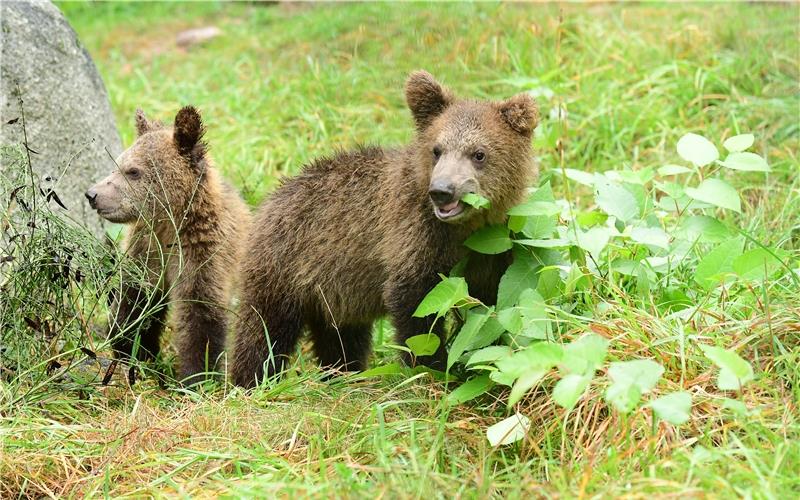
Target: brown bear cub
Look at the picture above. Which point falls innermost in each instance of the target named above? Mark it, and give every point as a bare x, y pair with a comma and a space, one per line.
186, 227
368, 232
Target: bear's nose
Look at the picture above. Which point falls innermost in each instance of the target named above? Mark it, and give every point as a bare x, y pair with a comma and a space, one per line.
92, 197
442, 192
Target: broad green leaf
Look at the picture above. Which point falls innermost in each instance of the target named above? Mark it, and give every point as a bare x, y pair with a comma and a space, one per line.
746, 161
594, 240
490, 240
476, 201
423, 345
489, 354
509, 430
382, 370
681, 204
623, 396
520, 275
115, 232
674, 299
614, 199
489, 332
705, 229
524, 383
734, 371
537, 356
673, 189
643, 373
511, 319
576, 279
538, 226
673, 408
531, 208
540, 354
697, 149
757, 264
516, 223
551, 243
580, 176
444, 295
470, 389
736, 406
654, 236
717, 263
716, 192
504, 378
738, 143
643, 198
585, 355
591, 218
569, 389
535, 322
633, 268
550, 283
465, 337
667, 170
640, 177
542, 193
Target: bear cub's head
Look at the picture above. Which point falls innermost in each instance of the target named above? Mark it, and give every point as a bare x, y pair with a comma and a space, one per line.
468, 146
156, 177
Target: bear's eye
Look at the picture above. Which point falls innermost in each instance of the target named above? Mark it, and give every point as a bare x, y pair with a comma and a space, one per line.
479, 156
133, 173
437, 152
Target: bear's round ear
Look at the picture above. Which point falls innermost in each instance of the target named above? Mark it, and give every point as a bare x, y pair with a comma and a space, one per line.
188, 131
426, 98
520, 113
143, 125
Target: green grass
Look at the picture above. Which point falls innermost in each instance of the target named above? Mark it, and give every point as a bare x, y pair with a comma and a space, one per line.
284, 84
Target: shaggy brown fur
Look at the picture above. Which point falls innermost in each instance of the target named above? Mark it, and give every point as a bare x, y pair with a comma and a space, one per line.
367, 232
187, 228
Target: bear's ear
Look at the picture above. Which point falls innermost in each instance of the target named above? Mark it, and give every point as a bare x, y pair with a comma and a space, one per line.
143, 125
426, 98
188, 133
520, 113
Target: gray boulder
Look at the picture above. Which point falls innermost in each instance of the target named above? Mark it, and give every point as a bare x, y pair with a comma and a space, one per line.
67, 114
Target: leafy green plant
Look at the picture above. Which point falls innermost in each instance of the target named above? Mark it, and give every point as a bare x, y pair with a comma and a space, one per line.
652, 236
55, 280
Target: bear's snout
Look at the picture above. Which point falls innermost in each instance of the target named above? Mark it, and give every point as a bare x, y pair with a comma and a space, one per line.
91, 195
442, 191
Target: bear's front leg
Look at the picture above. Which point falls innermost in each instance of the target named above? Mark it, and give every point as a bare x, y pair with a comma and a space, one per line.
137, 320
202, 323
402, 296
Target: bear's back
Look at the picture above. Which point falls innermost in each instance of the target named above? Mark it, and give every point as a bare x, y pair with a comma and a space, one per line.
319, 232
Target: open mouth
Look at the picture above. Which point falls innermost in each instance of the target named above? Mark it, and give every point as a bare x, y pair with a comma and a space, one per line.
449, 211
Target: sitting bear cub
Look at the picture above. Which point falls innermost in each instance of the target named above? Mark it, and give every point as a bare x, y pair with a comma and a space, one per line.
186, 227
368, 232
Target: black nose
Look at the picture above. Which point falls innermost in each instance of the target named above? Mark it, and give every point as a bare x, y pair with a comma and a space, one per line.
92, 197
442, 192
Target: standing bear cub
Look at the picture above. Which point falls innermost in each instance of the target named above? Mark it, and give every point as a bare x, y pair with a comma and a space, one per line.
368, 232
186, 228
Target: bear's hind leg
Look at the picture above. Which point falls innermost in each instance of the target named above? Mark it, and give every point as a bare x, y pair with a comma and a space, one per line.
256, 348
341, 347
